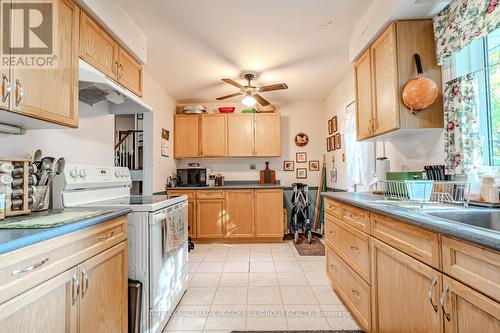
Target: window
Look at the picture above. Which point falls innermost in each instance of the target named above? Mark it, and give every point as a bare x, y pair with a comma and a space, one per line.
482, 57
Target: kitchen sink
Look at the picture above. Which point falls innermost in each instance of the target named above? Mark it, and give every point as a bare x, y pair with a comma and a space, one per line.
483, 218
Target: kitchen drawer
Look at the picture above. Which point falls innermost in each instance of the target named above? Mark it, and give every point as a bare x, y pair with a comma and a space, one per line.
351, 288
44, 260
353, 247
333, 208
329, 230
472, 265
416, 242
190, 194
210, 194
356, 217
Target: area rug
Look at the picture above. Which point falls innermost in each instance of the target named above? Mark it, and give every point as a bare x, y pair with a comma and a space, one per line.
316, 248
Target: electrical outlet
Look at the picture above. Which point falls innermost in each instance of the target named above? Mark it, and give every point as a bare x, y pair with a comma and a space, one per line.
253, 166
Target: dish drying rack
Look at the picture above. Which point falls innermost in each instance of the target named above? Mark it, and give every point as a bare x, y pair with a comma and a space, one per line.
426, 191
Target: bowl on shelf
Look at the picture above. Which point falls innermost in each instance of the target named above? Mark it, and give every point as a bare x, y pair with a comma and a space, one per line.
227, 109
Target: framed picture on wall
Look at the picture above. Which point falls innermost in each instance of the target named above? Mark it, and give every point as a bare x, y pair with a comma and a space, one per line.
301, 139
288, 166
301, 173
338, 143
331, 142
328, 146
330, 127
301, 157
314, 165
334, 125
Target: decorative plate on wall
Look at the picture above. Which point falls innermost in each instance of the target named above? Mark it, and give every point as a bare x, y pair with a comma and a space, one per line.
301, 139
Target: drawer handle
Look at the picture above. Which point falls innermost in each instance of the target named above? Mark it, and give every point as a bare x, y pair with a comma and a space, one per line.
356, 293
76, 283
431, 289
332, 266
442, 301
355, 249
107, 236
30, 268
19, 92
85, 284
5, 87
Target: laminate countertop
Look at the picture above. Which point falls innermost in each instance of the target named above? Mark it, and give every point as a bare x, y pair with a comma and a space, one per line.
12, 239
376, 203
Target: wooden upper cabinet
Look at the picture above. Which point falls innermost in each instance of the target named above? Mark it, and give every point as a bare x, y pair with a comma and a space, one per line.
267, 134
239, 213
381, 74
4, 75
405, 292
103, 292
240, 131
48, 307
385, 82
187, 136
467, 311
98, 48
129, 72
268, 217
213, 135
51, 94
364, 98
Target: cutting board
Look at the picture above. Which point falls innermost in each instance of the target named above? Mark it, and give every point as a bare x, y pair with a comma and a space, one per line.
267, 176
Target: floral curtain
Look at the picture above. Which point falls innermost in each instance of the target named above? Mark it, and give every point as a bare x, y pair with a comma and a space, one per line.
463, 151
463, 21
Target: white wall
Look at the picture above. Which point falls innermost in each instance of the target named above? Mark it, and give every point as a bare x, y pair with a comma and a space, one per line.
92, 142
163, 117
296, 117
405, 154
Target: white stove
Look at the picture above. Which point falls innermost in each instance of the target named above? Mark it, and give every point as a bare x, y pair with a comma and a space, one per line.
157, 233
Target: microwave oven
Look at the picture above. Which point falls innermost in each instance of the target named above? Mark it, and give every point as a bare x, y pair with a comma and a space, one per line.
194, 177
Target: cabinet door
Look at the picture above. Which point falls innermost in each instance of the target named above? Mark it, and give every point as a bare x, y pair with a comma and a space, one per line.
268, 213
210, 218
405, 292
385, 82
51, 94
129, 72
364, 97
97, 48
267, 134
213, 135
186, 136
47, 308
239, 213
240, 128
103, 296
467, 311
5, 86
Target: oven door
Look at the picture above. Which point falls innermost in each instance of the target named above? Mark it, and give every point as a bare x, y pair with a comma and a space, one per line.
167, 264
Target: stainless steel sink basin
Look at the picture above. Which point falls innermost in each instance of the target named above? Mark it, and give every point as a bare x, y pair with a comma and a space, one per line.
483, 218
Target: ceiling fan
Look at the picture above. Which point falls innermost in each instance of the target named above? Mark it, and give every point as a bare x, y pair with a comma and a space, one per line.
252, 92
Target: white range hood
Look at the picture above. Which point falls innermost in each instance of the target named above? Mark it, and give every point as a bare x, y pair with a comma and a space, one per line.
95, 87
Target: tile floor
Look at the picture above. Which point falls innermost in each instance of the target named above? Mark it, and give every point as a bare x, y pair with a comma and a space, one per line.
257, 287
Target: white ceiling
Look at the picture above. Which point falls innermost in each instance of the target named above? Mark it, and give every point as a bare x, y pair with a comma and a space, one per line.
192, 44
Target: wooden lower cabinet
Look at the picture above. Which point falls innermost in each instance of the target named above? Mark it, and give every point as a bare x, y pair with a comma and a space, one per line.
103, 292
210, 218
51, 307
268, 213
405, 292
239, 214
467, 311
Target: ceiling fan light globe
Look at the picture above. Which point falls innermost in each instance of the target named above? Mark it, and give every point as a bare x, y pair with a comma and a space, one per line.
249, 101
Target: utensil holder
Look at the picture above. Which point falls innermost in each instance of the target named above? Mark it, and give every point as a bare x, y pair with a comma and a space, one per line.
41, 198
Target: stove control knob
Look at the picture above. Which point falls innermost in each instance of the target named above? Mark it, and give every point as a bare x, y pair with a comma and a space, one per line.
83, 173
73, 173
117, 173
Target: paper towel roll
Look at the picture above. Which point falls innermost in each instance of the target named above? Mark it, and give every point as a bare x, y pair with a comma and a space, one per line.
382, 166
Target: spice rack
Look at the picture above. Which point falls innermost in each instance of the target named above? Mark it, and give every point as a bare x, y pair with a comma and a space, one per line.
21, 182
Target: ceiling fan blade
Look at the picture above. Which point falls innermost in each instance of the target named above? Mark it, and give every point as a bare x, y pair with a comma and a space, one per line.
229, 96
232, 82
261, 100
278, 86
